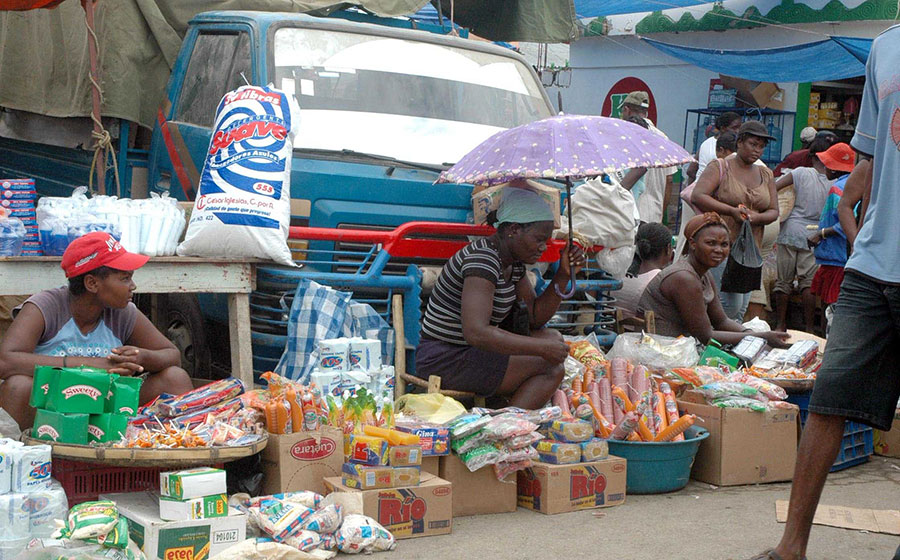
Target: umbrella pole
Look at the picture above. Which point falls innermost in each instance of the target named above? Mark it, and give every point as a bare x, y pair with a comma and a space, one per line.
570, 291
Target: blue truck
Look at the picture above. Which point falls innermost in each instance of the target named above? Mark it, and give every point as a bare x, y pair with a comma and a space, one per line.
386, 104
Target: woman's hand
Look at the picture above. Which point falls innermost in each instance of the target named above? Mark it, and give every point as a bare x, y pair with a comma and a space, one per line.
572, 261
126, 360
741, 213
776, 339
814, 239
553, 350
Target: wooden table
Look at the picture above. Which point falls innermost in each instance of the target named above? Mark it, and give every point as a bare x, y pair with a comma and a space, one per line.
24, 276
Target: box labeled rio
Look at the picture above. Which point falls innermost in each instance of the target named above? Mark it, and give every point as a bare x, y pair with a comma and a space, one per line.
560, 488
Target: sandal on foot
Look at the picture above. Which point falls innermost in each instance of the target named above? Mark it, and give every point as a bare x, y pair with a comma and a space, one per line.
769, 555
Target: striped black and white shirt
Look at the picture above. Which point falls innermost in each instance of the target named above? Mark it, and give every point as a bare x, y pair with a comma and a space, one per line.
443, 316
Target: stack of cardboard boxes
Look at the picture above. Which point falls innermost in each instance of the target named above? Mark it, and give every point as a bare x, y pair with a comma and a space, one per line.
575, 471
192, 494
82, 405
383, 472
823, 115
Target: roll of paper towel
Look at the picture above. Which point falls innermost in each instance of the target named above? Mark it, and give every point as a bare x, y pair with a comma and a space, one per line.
13, 516
334, 354
365, 354
12, 548
30, 468
6, 463
45, 506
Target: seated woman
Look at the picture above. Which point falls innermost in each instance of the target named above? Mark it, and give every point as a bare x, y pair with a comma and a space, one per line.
92, 322
466, 336
683, 296
652, 253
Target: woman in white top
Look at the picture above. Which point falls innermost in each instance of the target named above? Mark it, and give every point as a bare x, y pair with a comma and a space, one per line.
652, 253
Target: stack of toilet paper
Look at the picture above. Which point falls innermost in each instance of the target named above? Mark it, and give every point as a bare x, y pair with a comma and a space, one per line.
29, 499
346, 364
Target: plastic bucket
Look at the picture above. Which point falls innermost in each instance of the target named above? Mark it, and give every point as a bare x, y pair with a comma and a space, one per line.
654, 468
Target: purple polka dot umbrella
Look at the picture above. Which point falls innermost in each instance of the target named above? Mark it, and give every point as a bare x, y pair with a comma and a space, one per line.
564, 147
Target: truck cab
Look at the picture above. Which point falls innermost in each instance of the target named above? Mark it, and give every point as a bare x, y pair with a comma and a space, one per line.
383, 111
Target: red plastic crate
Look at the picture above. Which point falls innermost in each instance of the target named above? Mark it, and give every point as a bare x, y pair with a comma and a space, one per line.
84, 482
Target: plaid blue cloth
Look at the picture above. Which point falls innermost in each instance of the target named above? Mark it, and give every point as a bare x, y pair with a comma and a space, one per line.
319, 312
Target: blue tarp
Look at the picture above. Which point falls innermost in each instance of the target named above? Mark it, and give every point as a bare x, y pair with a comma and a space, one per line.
858, 46
809, 62
599, 8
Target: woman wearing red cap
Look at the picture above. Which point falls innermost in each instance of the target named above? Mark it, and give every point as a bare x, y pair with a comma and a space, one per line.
91, 322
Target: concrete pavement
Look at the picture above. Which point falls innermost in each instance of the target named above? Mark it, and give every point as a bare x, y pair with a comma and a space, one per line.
699, 522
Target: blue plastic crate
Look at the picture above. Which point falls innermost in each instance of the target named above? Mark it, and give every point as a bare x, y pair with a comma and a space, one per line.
858, 443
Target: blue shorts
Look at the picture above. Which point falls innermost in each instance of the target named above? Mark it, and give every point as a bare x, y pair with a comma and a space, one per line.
860, 374
461, 368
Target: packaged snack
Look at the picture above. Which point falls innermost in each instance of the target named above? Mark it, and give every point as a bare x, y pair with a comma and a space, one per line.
282, 519
393, 437
469, 442
304, 540
677, 428
739, 402
594, 450
525, 440
326, 520
366, 477
480, 456
516, 455
91, 520
558, 453
434, 439
359, 533
201, 397
507, 426
542, 415
367, 450
503, 469
467, 424
405, 455
204, 507
303, 497
671, 406
570, 431
328, 541
43, 376
116, 538
405, 476
192, 483
768, 389
628, 425
587, 354
724, 389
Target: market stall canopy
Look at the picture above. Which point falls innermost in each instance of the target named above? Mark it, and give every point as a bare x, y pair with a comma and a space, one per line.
809, 62
536, 21
139, 43
858, 46
602, 8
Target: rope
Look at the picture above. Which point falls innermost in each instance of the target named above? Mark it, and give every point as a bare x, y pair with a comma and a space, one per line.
101, 136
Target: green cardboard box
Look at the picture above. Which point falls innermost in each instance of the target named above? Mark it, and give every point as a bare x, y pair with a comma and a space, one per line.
171, 509
106, 427
124, 395
61, 427
81, 390
40, 388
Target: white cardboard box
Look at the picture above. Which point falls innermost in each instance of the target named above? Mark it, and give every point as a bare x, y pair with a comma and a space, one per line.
164, 540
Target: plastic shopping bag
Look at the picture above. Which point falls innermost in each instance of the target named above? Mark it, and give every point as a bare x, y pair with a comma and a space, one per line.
743, 271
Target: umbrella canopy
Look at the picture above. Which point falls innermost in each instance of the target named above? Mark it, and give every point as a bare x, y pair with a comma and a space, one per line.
564, 147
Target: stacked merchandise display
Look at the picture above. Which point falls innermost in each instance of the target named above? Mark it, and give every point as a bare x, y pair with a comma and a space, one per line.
18, 222
82, 405
192, 494
346, 364
381, 458
29, 499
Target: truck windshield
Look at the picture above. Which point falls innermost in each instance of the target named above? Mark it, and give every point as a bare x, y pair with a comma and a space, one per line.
410, 100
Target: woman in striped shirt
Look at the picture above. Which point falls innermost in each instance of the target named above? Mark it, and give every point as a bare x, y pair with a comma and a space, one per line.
483, 328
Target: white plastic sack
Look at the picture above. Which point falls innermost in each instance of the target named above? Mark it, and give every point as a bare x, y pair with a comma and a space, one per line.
243, 206
604, 213
615, 261
656, 351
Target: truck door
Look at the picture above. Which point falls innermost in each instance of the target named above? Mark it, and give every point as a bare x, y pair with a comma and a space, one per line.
212, 62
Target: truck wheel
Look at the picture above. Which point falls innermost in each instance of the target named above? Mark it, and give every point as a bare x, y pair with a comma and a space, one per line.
183, 324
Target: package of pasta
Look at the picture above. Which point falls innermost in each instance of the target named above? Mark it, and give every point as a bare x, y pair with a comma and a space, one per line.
325, 520
303, 497
504, 468
116, 538
90, 520
201, 397
570, 431
515, 455
359, 533
508, 426
282, 519
480, 457
558, 453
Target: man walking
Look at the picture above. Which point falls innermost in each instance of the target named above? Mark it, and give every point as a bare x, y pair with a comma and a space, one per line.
859, 378
657, 181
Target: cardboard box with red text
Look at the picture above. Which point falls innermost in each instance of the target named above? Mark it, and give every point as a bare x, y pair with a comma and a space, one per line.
744, 447
431, 464
560, 488
416, 511
888, 443
292, 462
479, 492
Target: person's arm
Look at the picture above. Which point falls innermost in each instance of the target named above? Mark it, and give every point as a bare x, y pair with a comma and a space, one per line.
17, 355
632, 177
542, 308
685, 290
477, 307
784, 181
854, 191
690, 173
670, 186
147, 347
702, 197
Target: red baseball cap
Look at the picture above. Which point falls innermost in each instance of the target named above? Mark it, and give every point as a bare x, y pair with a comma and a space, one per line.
93, 250
839, 157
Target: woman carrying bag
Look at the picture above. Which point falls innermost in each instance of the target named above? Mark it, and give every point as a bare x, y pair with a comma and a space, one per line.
740, 191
